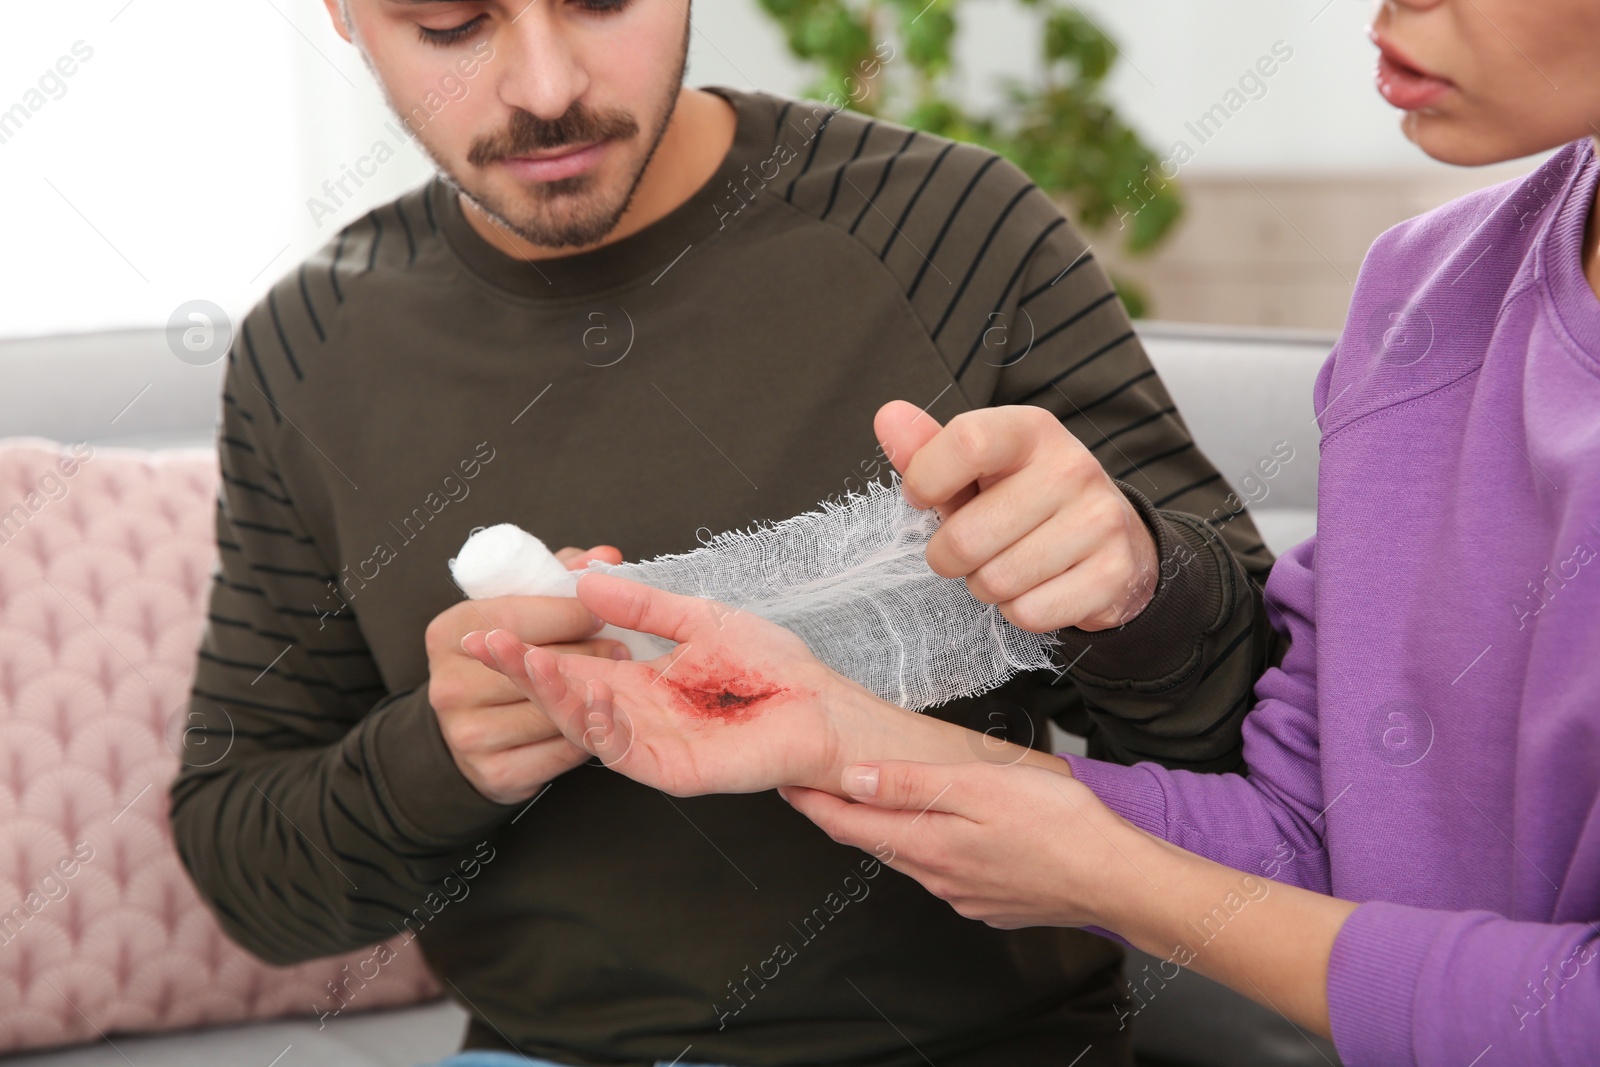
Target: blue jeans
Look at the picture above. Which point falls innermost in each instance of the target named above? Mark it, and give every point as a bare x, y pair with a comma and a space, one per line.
491, 1058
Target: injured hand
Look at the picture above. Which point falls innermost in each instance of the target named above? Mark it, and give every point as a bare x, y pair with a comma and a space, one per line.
851, 580
739, 706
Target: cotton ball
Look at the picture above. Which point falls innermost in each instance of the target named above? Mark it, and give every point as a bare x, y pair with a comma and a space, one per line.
506, 560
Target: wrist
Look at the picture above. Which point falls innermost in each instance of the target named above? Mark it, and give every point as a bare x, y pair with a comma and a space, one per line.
866, 728
415, 774
1046, 761
1143, 575
1145, 905
1198, 589
1142, 582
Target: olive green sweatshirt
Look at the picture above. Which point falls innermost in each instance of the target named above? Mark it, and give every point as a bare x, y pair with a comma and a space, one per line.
409, 382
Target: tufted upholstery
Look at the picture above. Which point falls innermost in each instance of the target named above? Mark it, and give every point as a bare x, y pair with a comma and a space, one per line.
105, 561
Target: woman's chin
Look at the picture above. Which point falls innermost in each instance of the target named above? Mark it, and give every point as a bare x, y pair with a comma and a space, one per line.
1450, 141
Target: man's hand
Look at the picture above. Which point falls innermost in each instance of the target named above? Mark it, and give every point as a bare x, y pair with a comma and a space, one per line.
739, 706
1029, 517
505, 745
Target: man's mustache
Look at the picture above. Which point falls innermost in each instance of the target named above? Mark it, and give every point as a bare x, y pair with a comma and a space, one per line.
529, 133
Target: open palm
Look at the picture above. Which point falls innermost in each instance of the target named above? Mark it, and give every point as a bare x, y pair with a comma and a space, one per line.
739, 706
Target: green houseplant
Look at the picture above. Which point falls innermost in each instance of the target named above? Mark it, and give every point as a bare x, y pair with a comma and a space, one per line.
1058, 128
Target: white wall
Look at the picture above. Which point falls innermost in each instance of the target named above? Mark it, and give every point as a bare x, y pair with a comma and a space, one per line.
178, 160
177, 163
1319, 112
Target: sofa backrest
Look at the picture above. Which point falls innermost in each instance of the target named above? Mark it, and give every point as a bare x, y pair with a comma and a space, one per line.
1241, 390
123, 387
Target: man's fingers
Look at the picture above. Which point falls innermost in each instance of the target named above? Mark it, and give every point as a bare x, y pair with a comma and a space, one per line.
635, 606
991, 524
506, 656
1091, 596
475, 644
538, 620
503, 651
976, 446
905, 432
903, 428
496, 728
599, 648
1053, 548
576, 559
537, 673
487, 690
516, 772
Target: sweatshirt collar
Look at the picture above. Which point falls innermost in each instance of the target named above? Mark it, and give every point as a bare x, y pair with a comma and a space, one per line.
1573, 300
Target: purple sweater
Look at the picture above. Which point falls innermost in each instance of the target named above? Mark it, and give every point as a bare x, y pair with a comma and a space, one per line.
1430, 747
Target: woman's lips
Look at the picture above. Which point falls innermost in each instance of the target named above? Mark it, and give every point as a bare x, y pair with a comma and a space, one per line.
1405, 86
552, 168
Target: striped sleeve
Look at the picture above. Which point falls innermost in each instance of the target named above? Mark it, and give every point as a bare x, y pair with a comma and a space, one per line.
1014, 300
1172, 685
297, 809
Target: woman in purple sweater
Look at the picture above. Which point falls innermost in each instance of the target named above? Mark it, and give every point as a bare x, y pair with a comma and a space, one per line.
1425, 765
1411, 864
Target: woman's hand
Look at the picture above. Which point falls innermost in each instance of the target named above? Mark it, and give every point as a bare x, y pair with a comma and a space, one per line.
1030, 518
1028, 845
741, 705
1011, 845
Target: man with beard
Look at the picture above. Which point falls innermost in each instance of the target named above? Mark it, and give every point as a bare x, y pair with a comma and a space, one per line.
628, 313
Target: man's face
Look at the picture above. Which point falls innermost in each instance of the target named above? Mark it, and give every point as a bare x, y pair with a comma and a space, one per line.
544, 112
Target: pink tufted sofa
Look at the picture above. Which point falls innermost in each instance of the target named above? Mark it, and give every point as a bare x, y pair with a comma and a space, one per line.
105, 560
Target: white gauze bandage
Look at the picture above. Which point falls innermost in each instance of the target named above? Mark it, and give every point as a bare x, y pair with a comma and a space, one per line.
852, 580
